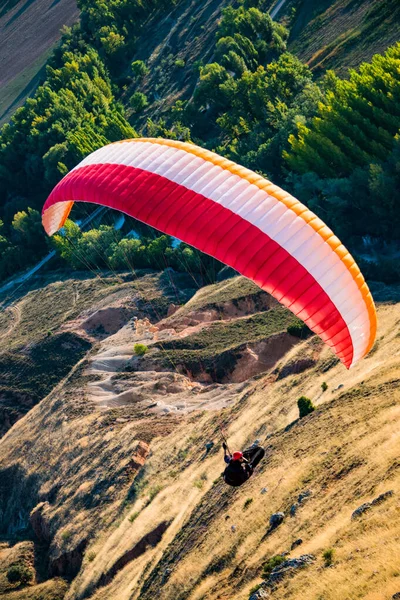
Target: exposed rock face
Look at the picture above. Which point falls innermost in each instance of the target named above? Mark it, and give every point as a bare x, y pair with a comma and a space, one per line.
40, 523
107, 321
68, 564
289, 567
18, 494
260, 356
304, 496
296, 366
361, 509
368, 505
215, 312
150, 539
260, 594
275, 520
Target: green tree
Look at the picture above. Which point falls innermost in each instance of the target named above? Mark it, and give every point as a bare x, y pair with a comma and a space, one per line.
139, 69
305, 406
138, 102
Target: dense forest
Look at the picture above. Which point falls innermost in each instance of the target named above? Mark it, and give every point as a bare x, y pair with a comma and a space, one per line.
333, 142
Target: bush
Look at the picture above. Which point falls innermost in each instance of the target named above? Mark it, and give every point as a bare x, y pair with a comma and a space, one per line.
140, 349
138, 102
91, 556
299, 330
19, 574
133, 517
139, 69
255, 589
271, 564
154, 491
66, 535
247, 503
324, 386
328, 556
305, 406
180, 63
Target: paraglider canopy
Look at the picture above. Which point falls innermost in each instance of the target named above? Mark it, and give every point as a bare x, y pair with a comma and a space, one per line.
240, 218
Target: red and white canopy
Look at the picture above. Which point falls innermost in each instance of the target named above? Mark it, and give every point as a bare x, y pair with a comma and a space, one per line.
240, 218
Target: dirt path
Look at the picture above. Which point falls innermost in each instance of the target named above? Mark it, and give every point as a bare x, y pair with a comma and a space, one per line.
277, 8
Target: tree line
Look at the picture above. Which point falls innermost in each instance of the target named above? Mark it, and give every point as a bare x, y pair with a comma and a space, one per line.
333, 142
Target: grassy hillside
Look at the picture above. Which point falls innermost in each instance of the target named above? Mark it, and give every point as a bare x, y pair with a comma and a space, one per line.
333, 34
338, 34
40, 341
132, 506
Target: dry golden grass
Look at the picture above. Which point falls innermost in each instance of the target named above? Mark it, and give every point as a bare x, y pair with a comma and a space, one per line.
346, 452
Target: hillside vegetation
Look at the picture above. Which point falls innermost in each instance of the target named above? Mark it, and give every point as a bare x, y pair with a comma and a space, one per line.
338, 34
126, 366
229, 78
131, 503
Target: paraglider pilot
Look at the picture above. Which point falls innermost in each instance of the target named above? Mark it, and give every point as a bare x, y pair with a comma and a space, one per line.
241, 465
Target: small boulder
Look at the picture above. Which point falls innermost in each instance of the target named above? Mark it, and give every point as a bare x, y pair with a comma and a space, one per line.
264, 490
396, 596
260, 594
296, 543
275, 520
293, 509
368, 505
304, 496
166, 575
209, 446
382, 497
361, 510
289, 567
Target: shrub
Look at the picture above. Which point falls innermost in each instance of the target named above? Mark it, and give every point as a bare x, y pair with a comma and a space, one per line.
182, 455
328, 556
19, 574
199, 484
324, 386
255, 588
305, 406
154, 491
247, 503
66, 535
139, 69
138, 101
91, 556
140, 349
270, 565
133, 517
299, 330
180, 63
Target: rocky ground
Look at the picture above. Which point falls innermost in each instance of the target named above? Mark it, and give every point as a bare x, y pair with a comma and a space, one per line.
110, 482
